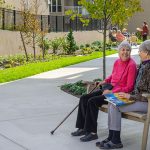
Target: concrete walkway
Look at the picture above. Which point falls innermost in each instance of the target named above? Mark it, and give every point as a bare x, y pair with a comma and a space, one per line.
30, 108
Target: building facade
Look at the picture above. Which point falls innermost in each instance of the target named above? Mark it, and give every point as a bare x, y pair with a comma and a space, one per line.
50, 13
138, 18
58, 8
46, 7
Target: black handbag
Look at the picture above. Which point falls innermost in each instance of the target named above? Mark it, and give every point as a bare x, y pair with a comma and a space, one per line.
106, 86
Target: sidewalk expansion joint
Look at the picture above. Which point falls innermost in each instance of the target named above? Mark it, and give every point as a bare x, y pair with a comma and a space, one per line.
5, 137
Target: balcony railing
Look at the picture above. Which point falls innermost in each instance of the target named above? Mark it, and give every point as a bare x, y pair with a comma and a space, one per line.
12, 19
78, 9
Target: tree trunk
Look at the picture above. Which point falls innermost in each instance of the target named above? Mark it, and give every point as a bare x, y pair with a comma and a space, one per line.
34, 52
24, 46
104, 49
43, 48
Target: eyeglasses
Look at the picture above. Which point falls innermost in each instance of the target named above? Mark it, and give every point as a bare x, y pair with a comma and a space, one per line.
144, 51
125, 49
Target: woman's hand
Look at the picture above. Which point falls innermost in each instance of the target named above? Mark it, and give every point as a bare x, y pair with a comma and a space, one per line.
124, 95
107, 92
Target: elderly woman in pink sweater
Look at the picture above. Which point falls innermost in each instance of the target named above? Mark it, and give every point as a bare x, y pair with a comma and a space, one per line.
122, 80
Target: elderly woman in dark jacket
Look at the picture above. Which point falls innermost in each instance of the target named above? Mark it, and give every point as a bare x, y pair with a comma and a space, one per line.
142, 85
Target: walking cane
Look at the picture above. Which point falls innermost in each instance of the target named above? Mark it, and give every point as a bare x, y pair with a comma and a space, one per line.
52, 132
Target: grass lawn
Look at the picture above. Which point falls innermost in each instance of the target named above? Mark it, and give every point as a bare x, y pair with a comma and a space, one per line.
30, 69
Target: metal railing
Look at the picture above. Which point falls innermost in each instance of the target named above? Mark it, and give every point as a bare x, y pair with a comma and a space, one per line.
77, 9
11, 19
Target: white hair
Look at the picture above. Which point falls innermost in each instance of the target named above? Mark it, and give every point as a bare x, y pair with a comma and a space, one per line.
145, 46
124, 44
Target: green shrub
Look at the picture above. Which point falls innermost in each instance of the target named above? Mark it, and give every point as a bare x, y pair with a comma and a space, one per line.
97, 43
77, 88
45, 44
97, 49
87, 45
55, 44
108, 45
79, 83
66, 86
114, 44
7, 66
80, 90
81, 46
86, 50
52, 62
71, 44
76, 47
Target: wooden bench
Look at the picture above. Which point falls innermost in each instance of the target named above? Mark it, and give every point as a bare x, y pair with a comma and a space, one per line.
136, 116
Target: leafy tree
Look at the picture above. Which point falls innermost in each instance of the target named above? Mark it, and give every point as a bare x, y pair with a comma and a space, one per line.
112, 12
30, 29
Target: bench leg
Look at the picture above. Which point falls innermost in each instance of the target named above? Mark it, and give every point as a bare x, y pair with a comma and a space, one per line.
145, 134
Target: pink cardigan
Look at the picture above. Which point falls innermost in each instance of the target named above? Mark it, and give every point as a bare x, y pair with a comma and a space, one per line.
128, 71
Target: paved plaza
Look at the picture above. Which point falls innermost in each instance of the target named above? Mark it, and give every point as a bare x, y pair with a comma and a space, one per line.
30, 108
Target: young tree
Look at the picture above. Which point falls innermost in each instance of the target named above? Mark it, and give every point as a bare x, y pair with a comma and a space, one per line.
111, 12
31, 29
43, 43
71, 43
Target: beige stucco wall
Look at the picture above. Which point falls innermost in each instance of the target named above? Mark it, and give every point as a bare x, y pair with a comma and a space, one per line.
138, 18
10, 42
43, 9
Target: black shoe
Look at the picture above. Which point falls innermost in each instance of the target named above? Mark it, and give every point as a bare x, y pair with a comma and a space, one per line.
89, 137
110, 145
101, 144
79, 132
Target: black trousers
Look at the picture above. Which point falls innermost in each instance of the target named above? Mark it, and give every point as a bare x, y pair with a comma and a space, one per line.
144, 37
88, 111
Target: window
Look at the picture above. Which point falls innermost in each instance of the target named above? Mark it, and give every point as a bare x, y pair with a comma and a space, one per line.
59, 6
26, 4
55, 5
76, 2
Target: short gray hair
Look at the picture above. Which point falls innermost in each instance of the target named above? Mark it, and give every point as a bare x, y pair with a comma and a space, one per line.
145, 46
124, 44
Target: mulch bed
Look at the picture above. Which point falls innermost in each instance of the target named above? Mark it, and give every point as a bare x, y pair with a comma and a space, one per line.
85, 85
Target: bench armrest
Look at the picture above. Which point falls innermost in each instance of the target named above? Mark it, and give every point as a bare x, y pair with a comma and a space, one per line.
148, 97
90, 85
